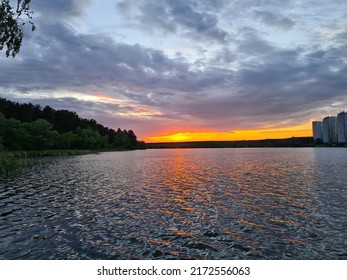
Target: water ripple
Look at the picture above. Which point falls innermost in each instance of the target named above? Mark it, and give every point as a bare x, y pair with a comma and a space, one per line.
179, 204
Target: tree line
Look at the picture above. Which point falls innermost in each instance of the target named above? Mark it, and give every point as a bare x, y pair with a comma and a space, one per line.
31, 127
265, 143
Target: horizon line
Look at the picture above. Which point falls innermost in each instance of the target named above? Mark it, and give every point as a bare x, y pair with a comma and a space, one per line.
244, 140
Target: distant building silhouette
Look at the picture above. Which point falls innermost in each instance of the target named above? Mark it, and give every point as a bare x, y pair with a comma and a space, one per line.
329, 130
317, 127
342, 127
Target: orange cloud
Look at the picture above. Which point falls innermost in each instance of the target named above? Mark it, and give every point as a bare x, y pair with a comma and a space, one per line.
104, 97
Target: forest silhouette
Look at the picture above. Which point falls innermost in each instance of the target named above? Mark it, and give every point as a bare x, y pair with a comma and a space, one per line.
31, 127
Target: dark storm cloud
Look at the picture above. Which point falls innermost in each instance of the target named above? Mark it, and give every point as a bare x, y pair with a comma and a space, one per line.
294, 85
58, 57
251, 46
271, 85
274, 87
224, 56
341, 37
250, 42
60, 8
263, 3
190, 18
275, 19
86, 108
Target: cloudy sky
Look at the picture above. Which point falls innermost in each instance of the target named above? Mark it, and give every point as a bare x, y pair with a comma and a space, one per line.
186, 69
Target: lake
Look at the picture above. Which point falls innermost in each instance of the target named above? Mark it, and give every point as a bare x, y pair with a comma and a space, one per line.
280, 203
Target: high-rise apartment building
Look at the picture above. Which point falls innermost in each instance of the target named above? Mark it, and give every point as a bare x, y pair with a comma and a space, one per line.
342, 127
329, 130
317, 128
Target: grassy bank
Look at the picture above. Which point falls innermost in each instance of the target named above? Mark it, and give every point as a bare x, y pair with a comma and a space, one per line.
11, 162
57, 153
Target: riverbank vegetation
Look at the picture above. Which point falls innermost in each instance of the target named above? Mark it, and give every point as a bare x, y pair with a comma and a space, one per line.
28, 130
11, 162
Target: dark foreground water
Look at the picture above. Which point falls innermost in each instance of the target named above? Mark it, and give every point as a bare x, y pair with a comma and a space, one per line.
179, 204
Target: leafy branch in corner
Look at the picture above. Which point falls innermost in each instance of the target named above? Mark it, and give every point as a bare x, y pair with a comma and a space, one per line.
12, 21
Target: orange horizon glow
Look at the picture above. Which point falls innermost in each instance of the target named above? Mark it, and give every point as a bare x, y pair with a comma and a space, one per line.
260, 134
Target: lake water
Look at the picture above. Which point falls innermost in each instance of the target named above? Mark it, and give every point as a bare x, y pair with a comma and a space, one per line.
179, 204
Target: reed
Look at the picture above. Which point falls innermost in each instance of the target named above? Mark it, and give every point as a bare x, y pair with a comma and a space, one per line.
11, 162
8, 163
57, 153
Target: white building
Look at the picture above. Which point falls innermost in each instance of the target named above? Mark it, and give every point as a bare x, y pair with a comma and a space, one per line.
329, 130
342, 127
317, 128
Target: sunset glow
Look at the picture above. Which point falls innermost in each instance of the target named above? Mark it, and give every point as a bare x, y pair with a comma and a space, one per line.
301, 131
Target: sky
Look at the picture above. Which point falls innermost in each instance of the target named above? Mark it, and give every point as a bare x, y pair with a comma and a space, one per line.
186, 70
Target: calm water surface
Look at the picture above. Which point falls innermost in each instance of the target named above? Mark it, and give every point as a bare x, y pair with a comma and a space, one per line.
179, 204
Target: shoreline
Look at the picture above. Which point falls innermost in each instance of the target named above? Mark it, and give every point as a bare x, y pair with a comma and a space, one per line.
12, 161
293, 142
265, 143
